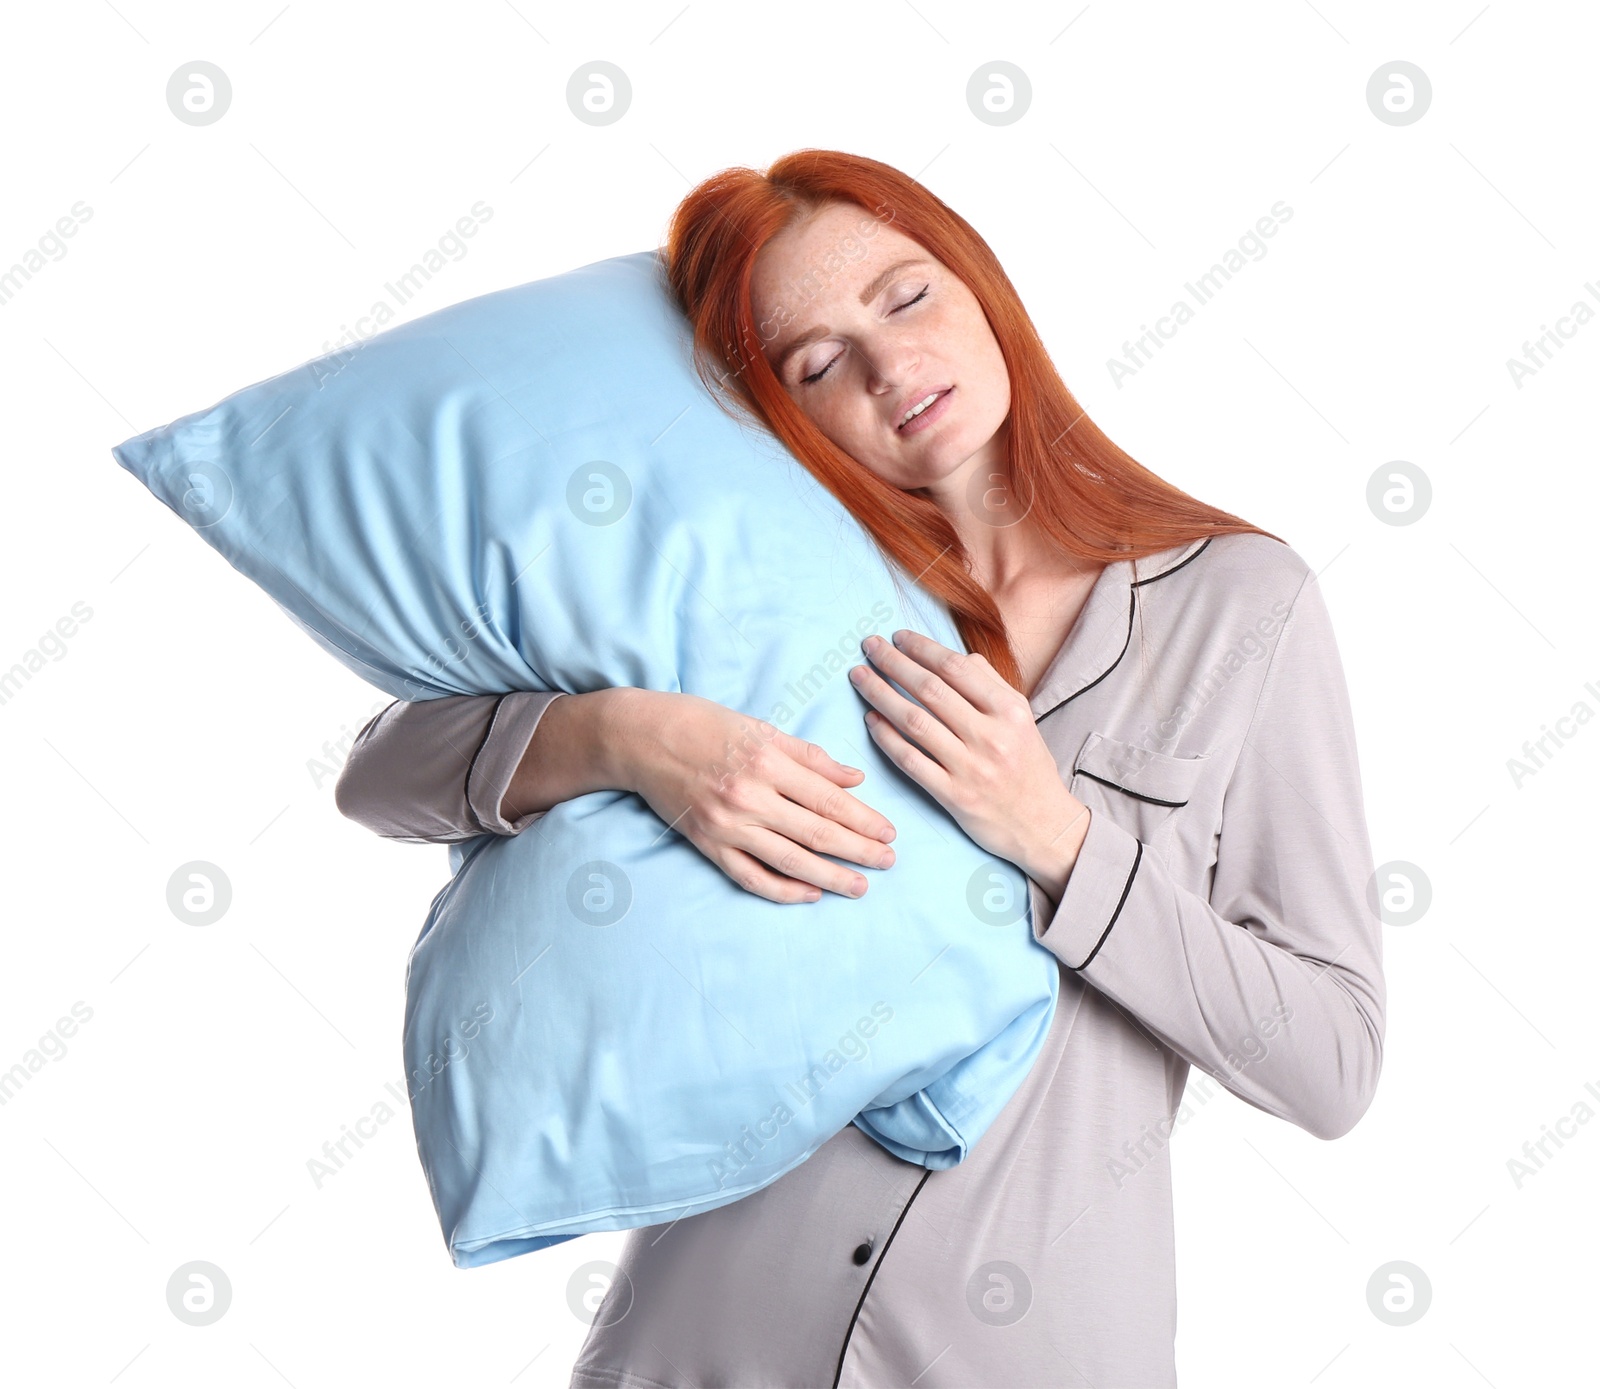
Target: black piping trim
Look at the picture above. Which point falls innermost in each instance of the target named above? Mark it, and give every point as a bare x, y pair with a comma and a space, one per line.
1137, 795
466, 785
849, 1331
1127, 887
1132, 603
1133, 600
1140, 583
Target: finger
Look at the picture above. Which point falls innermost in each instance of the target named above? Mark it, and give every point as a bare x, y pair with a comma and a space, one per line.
911, 760
816, 758
790, 860
816, 827
754, 876
942, 724
799, 782
968, 673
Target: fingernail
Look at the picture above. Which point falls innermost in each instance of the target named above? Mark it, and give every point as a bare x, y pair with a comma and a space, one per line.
887, 835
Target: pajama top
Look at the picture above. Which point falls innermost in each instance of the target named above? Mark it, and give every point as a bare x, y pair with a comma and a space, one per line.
1220, 916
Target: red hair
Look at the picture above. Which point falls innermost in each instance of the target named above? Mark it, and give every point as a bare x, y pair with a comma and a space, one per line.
1094, 501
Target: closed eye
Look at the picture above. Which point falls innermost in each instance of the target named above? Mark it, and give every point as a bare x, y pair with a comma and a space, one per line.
910, 302
818, 375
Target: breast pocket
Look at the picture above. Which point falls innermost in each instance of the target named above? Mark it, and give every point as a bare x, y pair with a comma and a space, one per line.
1143, 791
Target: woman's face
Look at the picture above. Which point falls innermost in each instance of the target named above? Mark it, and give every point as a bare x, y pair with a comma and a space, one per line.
860, 324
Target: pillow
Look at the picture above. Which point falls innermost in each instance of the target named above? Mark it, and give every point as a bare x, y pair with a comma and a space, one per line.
533, 490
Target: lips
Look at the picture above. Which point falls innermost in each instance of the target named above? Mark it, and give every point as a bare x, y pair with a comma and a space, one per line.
933, 405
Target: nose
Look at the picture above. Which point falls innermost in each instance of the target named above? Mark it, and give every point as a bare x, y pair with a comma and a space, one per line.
890, 366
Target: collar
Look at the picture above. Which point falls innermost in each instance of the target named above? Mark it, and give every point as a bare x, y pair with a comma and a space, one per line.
1103, 631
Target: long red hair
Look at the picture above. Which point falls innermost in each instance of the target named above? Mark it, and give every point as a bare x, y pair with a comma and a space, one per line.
1091, 498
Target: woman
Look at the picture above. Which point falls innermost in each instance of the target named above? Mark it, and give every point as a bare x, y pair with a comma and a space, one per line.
1189, 816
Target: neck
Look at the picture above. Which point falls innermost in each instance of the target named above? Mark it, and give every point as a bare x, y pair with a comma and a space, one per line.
1000, 549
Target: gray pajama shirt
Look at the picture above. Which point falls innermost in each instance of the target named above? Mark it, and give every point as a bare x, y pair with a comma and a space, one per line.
1219, 916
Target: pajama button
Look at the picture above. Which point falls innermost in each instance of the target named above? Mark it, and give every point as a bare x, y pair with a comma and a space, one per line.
863, 1253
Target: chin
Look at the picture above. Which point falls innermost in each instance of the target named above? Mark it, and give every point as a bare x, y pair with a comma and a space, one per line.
951, 456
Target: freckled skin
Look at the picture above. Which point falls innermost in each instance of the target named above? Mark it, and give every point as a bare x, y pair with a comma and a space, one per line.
878, 355
943, 339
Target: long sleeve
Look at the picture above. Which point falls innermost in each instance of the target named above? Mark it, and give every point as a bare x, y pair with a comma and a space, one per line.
1275, 985
435, 771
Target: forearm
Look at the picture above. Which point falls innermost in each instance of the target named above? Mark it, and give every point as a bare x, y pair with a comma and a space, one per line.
584, 743
435, 771
1297, 1032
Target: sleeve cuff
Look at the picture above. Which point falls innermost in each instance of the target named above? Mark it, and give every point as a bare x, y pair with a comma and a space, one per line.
1096, 891
506, 739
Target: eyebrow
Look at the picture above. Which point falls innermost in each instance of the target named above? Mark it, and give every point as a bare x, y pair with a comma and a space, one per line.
871, 292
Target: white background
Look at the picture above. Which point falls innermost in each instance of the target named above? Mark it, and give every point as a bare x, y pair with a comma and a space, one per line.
181, 720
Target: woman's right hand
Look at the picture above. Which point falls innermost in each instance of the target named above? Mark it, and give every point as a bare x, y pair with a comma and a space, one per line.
760, 803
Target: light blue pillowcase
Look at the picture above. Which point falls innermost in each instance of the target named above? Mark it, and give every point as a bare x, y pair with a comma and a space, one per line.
533, 490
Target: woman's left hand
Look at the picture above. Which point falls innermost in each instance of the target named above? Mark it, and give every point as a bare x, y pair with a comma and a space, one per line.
985, 760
